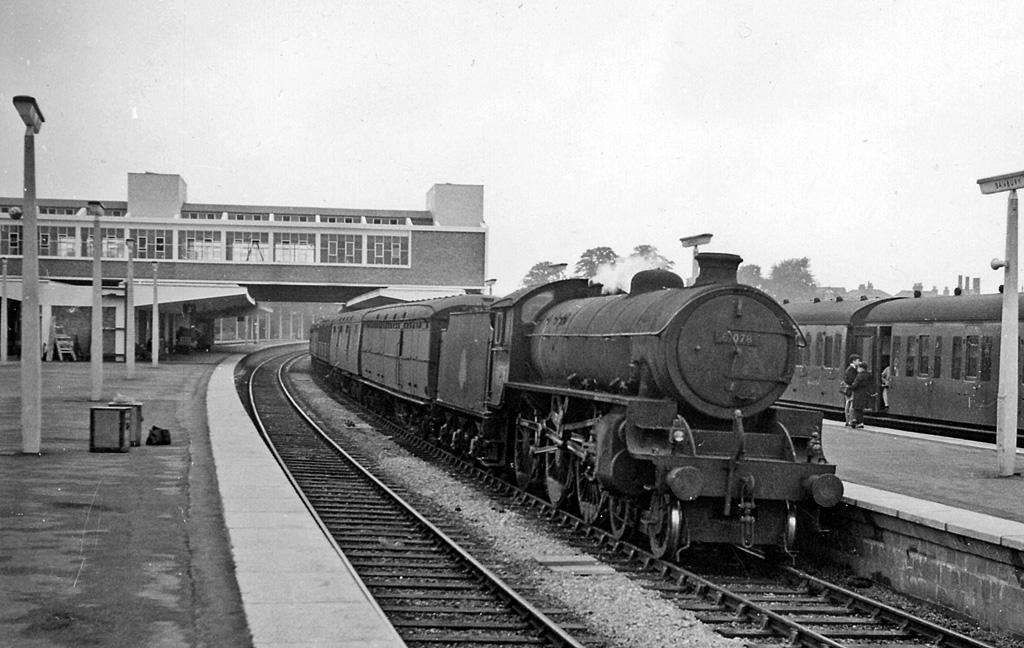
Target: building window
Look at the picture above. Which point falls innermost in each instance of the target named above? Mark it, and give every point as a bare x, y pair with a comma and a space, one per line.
57, 241
341, 248
294, 247
294, 218
236, 216
339, 219
387, 250
387, 221
10, 239
152, 243
248, 247
199, 245
112, 242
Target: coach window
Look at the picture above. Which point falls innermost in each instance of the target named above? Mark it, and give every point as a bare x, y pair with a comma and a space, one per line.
818, 344
957, 364
499, 329
828, 351
937, 364
924, 348
972, 357
986, 358
911, 355
837, 352
895, 359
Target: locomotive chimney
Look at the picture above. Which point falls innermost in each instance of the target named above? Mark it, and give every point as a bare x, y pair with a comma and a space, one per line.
717, 268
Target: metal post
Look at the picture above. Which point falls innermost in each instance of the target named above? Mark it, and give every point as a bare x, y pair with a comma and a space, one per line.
1006, 417
3, 313
129, 313
155, 327
96, 351
31, 345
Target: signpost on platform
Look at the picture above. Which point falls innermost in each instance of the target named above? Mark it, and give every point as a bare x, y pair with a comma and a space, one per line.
1006, 412
31, 335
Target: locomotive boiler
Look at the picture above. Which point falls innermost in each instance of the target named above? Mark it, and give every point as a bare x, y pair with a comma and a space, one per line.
649, 412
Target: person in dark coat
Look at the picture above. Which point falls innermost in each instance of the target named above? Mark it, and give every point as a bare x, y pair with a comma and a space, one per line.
862, 388
851, 374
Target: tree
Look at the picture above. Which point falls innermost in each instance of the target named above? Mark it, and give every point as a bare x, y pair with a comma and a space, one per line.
652, 257
750, 275
792, 279
593, 259
543, 272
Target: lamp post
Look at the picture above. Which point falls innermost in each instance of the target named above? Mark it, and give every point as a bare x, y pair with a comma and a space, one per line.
31, 347
155, 326
3, 313
129, 311
695, 242
96, 348
490, 285
1006, 400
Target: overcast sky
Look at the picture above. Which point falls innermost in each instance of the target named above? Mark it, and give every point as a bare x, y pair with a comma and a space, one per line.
852, 133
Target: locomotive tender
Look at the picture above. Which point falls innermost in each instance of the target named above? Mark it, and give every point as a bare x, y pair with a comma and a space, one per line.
652, 411
944, 352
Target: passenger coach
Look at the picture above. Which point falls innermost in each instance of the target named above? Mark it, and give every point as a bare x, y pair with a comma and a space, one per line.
944, 352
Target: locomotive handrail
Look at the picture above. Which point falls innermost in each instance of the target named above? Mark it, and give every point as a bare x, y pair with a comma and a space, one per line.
789, 439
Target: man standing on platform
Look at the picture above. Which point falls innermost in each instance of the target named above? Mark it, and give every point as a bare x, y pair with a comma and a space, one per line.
851, 375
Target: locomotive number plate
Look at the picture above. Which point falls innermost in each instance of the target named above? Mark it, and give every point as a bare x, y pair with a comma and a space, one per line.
740, 338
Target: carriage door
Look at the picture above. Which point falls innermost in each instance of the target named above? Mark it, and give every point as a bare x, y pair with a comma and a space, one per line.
864, 345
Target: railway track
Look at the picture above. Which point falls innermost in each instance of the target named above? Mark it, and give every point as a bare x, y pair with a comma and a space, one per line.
781, 605
433, 591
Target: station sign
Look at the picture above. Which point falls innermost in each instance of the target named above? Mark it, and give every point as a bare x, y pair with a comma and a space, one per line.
1007, 182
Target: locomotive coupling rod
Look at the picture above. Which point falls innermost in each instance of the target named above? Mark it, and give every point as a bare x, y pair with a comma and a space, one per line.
734, 460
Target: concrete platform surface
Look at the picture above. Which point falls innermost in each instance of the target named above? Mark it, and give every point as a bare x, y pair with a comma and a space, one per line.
946, 484
176, 545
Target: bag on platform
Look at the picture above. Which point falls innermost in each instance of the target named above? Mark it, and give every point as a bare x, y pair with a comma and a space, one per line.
844, 389
158, 436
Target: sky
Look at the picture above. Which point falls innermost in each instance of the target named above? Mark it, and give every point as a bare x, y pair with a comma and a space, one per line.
852, 133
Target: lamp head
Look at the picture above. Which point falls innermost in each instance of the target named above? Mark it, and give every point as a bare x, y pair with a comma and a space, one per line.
997, 263
696, 241
14, 212
29, 111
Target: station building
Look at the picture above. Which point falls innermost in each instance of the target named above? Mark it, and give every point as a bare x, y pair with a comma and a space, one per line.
213, 266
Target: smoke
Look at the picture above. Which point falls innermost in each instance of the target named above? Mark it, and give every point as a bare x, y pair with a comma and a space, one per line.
616, 277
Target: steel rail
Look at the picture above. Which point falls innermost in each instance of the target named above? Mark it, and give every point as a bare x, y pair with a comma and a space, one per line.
794, 632
543, 625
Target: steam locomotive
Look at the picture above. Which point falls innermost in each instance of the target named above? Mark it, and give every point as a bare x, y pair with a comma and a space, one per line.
651, 412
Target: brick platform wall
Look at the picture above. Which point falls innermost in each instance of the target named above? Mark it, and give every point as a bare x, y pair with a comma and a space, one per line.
969, 577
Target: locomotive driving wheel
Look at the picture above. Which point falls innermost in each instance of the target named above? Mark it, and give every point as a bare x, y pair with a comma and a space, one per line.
526, 464
621, 516
665, 528
558, 462
591, 496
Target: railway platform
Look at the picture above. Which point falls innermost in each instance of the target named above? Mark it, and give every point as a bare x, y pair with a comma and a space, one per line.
203, 543
944, 480
198, 543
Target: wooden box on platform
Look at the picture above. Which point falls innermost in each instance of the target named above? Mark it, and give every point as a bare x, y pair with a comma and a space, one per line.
110, 429
134, 422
